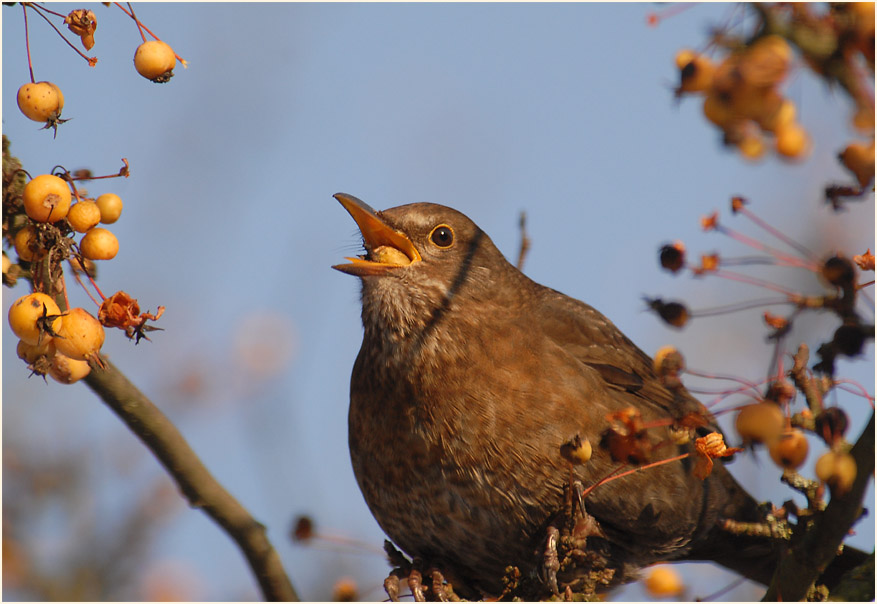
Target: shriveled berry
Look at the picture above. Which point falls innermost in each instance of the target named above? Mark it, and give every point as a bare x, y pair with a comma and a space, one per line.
831, 424
672, 256
839, 271
673, 313
849, 339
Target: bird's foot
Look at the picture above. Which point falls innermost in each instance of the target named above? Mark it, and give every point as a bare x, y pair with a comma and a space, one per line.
550, 561
432, 587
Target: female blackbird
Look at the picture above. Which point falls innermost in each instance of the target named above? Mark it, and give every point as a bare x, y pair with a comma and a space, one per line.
470, 379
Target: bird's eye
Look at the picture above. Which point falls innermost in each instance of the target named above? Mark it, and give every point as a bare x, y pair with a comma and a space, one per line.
442, 236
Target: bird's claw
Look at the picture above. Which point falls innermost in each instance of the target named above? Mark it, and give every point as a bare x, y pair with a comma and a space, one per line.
550, 561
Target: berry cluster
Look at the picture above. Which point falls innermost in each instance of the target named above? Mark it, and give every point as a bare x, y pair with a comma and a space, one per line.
43, 101
742, 91
40, 223
742, 97
767, 419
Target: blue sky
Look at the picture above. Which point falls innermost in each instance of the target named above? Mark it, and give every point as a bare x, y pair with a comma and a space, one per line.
562, 110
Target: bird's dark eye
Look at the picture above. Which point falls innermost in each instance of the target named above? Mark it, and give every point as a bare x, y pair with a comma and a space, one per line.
442, 236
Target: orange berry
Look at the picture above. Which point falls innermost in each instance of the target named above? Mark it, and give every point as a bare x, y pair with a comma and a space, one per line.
760, 422
663, 582
26, 313
110, 206
83, 215
792, 141
695, 75
155, 61
80, 335
790, 450
858, 158
837, 470
345, 590
26, 244
41, 102
863, 119
717, 111
65, 370
99, 244
46, 198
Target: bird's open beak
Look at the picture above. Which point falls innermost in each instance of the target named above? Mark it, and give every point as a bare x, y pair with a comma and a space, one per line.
387, 248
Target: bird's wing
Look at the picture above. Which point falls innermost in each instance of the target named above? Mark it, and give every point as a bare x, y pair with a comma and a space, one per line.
595, 342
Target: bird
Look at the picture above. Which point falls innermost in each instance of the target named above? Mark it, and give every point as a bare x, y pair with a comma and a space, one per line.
472, 378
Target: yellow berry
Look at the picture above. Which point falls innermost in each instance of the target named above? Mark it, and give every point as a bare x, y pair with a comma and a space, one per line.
837, 470
792, 140
41, 102
46, 198
80, 335
65, 370
790, 450
99, 244
778, 118
663, 582
751, 146
684, 57
26, 313
760, 422
110, 206
83, 215
26, 244
155, 61
30, 353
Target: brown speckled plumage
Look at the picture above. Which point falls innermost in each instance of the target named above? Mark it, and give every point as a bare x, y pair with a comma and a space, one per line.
470, 378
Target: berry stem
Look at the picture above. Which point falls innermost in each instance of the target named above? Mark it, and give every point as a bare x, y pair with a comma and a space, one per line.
82, 285
43, 8
27, 44
140, 26
775, 232
146, 29
738, 306
754, 281
781, 257
92, 61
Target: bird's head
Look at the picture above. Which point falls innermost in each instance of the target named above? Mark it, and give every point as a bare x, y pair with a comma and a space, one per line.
419, 260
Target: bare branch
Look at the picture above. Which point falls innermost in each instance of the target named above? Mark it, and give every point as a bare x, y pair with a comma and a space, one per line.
197, 484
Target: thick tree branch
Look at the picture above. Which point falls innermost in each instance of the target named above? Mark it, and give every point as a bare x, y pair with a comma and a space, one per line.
202, 490
814, 552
